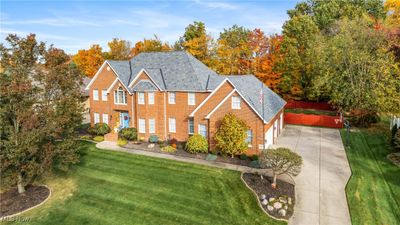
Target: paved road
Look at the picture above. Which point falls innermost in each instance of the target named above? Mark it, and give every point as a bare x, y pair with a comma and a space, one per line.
320, 187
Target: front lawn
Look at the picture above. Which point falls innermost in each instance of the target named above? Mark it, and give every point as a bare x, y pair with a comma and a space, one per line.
373, 191
120, 188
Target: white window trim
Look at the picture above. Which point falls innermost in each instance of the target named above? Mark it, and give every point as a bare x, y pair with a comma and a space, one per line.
115, 97
249, 144
190, 119
94, 118
194, 98
142, 131
169, 98
96, 96
152, 130
148, 98
174, 125
232, 103
105, 116
139, 98
104, 91
198, 129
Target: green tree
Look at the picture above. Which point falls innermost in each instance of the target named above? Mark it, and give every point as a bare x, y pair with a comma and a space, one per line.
357, 71
231, 135
281, 161
40, 109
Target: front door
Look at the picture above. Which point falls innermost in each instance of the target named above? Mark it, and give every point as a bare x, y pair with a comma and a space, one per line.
124, 119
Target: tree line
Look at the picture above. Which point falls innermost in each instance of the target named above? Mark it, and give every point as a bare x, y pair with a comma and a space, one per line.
345, 52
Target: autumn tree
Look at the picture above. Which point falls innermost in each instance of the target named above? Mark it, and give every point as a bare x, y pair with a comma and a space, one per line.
40, 109
119, 50
89, 61
392, 8
357, 71
232, 50
150, 45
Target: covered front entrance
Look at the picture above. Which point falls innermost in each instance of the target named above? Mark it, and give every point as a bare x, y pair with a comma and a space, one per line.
123, 120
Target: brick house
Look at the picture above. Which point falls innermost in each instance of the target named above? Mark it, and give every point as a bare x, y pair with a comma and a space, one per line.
173, 95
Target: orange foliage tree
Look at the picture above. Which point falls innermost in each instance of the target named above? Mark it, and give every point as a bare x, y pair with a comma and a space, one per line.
89, 61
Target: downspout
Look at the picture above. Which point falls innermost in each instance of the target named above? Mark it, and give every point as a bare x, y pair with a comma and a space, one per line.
165, 117
133, 112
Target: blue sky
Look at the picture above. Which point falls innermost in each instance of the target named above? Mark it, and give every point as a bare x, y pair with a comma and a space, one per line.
73, 25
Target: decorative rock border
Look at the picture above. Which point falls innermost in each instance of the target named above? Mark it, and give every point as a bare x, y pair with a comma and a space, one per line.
35, 206
259, 202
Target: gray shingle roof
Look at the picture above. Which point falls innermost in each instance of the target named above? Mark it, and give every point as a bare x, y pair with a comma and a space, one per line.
180, 71
175, 71
144, 85
250, 87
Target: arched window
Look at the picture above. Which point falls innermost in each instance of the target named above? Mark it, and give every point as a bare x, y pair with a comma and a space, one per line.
120, 96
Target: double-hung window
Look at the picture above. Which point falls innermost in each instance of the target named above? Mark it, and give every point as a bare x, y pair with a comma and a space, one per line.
105, 118
142, 126
104, 95
96, 118
235, 102
95, 94
152, 126
120, 96
171, 97
172, 125
141, 98
203, 130
249, 138
191, 99
190, 126
150, 97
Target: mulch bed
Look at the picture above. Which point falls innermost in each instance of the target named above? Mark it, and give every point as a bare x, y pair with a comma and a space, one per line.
180, 152
263, 187
12, 202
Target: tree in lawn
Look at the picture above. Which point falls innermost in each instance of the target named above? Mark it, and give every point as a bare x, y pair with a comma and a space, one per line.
40, 109
231, 135
281, 161
357, 71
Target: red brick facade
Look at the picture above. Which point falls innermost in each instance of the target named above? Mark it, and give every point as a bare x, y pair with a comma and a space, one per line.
161, 111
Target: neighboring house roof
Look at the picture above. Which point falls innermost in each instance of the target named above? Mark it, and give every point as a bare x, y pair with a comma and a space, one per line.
85, 82
144, 85
250, 89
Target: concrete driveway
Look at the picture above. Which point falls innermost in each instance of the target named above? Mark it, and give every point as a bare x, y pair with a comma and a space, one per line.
320, 187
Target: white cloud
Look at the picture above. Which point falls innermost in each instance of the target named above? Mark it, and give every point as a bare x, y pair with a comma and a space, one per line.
41, 36
217, 5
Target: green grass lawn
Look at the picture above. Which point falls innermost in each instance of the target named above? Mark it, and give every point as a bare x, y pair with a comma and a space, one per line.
121, 188
373, 191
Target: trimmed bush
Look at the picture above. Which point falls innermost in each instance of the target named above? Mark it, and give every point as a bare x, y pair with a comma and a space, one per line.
231, 135
254, 157
99, 129
122, 142
243, 157
168, 149
197, 143
153, 138
129, 134
173, 141
161, 144
98, 138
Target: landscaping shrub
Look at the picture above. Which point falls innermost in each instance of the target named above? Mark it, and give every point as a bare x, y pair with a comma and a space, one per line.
85, 137
153, 138
231, 135
197, 143
161, 144
168, 149
173, 141
394, 131
129, 134
243, 157
101, 129
173, 145
122, 142
254, 157
98, 138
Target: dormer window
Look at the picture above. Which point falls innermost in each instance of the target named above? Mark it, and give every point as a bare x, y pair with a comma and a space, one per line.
235, 102
120, 96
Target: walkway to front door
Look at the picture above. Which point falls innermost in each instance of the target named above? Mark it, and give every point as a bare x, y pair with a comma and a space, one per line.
320, 187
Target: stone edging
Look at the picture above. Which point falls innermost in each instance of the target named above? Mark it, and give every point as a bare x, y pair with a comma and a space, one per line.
258, 201
393, 154
35, 206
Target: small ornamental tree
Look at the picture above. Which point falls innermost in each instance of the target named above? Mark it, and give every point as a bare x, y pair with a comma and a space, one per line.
281, 161
197, 143
231, 135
